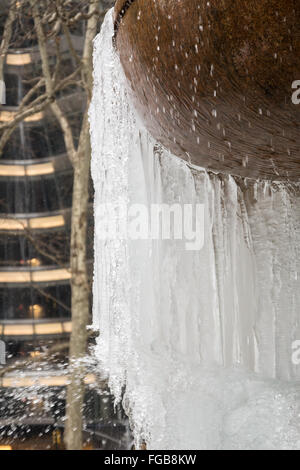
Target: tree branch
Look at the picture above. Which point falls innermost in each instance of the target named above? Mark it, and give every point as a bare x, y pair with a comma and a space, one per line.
60, 115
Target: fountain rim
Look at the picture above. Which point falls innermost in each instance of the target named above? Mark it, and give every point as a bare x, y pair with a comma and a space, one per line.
119, 17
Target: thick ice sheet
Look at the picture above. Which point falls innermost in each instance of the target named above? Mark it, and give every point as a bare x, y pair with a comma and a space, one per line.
201, 341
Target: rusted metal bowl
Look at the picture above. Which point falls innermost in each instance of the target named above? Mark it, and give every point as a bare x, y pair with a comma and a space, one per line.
212, 80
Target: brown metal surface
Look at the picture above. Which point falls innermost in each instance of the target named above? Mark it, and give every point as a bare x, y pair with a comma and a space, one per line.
213, 80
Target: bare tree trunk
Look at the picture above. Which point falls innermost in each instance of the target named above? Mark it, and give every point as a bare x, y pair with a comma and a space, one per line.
80, 284
80, 302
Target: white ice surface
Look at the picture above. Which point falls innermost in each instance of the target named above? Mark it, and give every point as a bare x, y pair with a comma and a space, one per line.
201, 342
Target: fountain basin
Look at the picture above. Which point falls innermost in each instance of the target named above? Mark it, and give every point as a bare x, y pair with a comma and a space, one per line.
212, 81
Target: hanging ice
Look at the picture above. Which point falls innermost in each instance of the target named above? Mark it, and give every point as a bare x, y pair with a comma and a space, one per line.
200, 341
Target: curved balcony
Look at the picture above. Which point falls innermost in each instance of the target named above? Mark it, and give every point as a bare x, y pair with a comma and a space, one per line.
11, 277
17, 223
8, 115
19, 59
34, 168
22, 330
41, 380
15, 170
25, 53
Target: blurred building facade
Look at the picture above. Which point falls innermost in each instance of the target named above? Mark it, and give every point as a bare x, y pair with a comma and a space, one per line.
36, 182
35, 204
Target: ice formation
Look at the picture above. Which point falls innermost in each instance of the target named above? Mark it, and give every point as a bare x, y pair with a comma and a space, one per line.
198, 344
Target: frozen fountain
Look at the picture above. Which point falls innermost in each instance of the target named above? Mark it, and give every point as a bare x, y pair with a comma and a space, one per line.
201, 345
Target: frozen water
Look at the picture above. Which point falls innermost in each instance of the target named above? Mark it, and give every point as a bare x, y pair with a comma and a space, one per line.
200, 342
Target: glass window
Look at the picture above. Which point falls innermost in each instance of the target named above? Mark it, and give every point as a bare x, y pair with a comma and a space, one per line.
55, 137
32, 304
13, 89
38, 142
34, 249
30, 196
